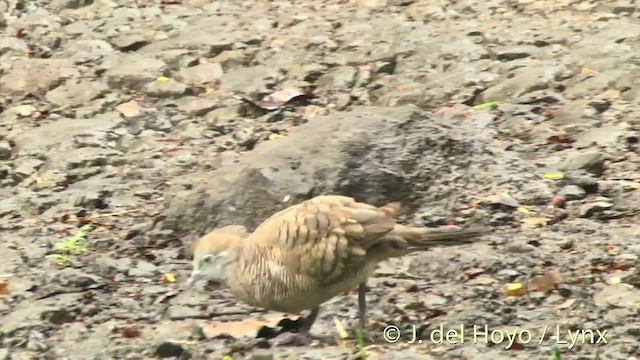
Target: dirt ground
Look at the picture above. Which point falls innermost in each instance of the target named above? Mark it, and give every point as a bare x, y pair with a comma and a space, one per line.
129, 129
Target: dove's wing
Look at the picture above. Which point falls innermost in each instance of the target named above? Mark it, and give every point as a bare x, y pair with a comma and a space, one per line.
325, 238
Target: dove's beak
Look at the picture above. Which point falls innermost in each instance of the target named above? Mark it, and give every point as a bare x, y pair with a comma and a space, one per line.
195, 277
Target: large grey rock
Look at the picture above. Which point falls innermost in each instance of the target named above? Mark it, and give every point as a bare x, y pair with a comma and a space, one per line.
373, 154
36, 76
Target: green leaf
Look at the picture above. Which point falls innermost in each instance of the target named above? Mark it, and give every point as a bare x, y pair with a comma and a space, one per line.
553, 175
360, 341
486, 105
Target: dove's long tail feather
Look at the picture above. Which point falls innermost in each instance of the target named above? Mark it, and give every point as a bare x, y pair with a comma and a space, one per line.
403, 240
422, 238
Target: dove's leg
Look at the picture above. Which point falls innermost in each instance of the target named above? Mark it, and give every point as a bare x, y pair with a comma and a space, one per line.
309, 320
362, 312
362, 305
303, 337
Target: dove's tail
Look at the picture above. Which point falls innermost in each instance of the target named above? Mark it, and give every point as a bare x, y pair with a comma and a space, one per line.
425, 238
403, 239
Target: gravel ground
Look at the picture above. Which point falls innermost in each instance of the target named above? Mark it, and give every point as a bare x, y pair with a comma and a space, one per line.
128, 129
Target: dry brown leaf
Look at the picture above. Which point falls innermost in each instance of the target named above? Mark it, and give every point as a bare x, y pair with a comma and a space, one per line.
243, 328
129, 110
4, 288
620, 266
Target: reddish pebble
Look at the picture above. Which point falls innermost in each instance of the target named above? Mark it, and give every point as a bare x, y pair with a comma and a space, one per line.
557, 201
130, 331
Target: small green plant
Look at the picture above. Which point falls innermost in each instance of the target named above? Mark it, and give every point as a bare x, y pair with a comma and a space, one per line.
227, 357
71, 246
486, 105
360, 342
556, 353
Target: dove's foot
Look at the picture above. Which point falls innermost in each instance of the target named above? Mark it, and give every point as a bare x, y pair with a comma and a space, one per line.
303, 338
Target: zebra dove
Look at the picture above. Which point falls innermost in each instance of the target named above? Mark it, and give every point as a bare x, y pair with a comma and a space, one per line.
308, 253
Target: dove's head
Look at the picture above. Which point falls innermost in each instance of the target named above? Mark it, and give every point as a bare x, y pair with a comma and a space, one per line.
215, 252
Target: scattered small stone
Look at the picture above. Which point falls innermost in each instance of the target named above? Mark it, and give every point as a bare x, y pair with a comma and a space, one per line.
89, 310
169, 349
108, 265
558, 201
592, 162
203, 74
589, 209
36, 76
567, 244
144, 269
263, 356
158, 123
37, 342
59, 316
177, 312
433, 301
76, 93
165, 89
130, 42
5, 150
341, 78
510, 53
130, 331
20, 111
134, 71
197, 333
199, 107
615, 316
573, 192
603, 136
27, 168
617, 295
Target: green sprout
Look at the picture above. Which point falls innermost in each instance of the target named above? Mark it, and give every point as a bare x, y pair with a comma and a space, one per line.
555, 353
360, 342
71, 246
486, 105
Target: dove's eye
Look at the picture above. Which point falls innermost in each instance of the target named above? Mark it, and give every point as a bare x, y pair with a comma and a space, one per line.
207, 259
